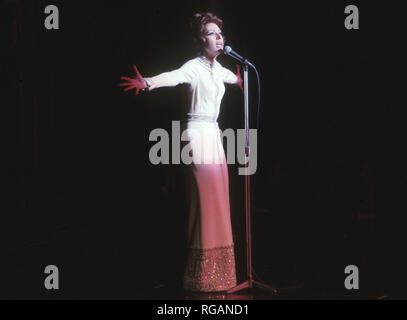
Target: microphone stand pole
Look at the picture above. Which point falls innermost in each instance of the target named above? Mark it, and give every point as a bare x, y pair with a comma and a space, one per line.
250, 282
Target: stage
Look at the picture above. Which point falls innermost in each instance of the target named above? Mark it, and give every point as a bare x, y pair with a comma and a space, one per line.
82, 195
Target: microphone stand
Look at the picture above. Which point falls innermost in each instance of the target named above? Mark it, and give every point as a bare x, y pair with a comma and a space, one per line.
250, 282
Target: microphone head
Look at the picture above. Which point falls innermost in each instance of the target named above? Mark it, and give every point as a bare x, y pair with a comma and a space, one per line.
227, 49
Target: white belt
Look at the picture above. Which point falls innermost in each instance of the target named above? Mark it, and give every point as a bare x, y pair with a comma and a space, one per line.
201, 117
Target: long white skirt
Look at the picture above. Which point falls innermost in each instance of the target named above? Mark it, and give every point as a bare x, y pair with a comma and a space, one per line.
210, 260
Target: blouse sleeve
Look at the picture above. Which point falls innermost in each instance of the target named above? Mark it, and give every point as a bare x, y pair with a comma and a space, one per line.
185, 74
228, 76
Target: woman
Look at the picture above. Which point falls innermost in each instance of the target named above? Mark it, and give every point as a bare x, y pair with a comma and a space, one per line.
210, 260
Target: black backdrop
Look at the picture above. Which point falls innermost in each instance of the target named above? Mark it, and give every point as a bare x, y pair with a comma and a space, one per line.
82, 194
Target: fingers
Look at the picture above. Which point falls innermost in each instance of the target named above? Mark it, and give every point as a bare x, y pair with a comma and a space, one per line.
126, 78
129, 88
123, 84
137, 73
133, 83
132, 80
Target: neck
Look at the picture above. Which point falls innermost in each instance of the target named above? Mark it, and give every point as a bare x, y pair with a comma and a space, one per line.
211, 58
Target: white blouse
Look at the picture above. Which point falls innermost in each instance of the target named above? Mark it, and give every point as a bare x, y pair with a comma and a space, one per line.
206, 84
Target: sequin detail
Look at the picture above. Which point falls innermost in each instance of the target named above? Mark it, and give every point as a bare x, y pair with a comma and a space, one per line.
210, 270
201, 117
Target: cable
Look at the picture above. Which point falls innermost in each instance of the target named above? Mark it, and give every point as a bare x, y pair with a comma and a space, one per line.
257, 126
258, 113
254, 180
258, 98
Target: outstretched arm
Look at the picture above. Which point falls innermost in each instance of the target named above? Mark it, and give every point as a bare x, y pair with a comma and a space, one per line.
166, 79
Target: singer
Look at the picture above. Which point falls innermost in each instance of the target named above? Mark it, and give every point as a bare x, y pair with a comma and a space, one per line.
210, 265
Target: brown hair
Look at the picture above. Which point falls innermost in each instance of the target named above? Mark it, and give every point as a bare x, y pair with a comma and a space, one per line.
197, 24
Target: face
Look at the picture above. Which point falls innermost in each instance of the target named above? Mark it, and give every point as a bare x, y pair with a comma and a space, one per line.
213, 39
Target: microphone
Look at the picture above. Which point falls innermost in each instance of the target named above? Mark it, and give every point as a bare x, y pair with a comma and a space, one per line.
230, 52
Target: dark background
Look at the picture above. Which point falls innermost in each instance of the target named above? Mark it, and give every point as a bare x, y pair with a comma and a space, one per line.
80, 190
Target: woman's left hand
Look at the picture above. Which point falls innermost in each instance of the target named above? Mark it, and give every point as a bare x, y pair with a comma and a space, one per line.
239, 78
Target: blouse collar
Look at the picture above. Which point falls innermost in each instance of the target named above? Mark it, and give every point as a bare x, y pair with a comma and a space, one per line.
206, 62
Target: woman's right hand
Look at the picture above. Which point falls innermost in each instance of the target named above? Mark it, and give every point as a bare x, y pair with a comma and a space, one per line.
150, 83
138, 83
